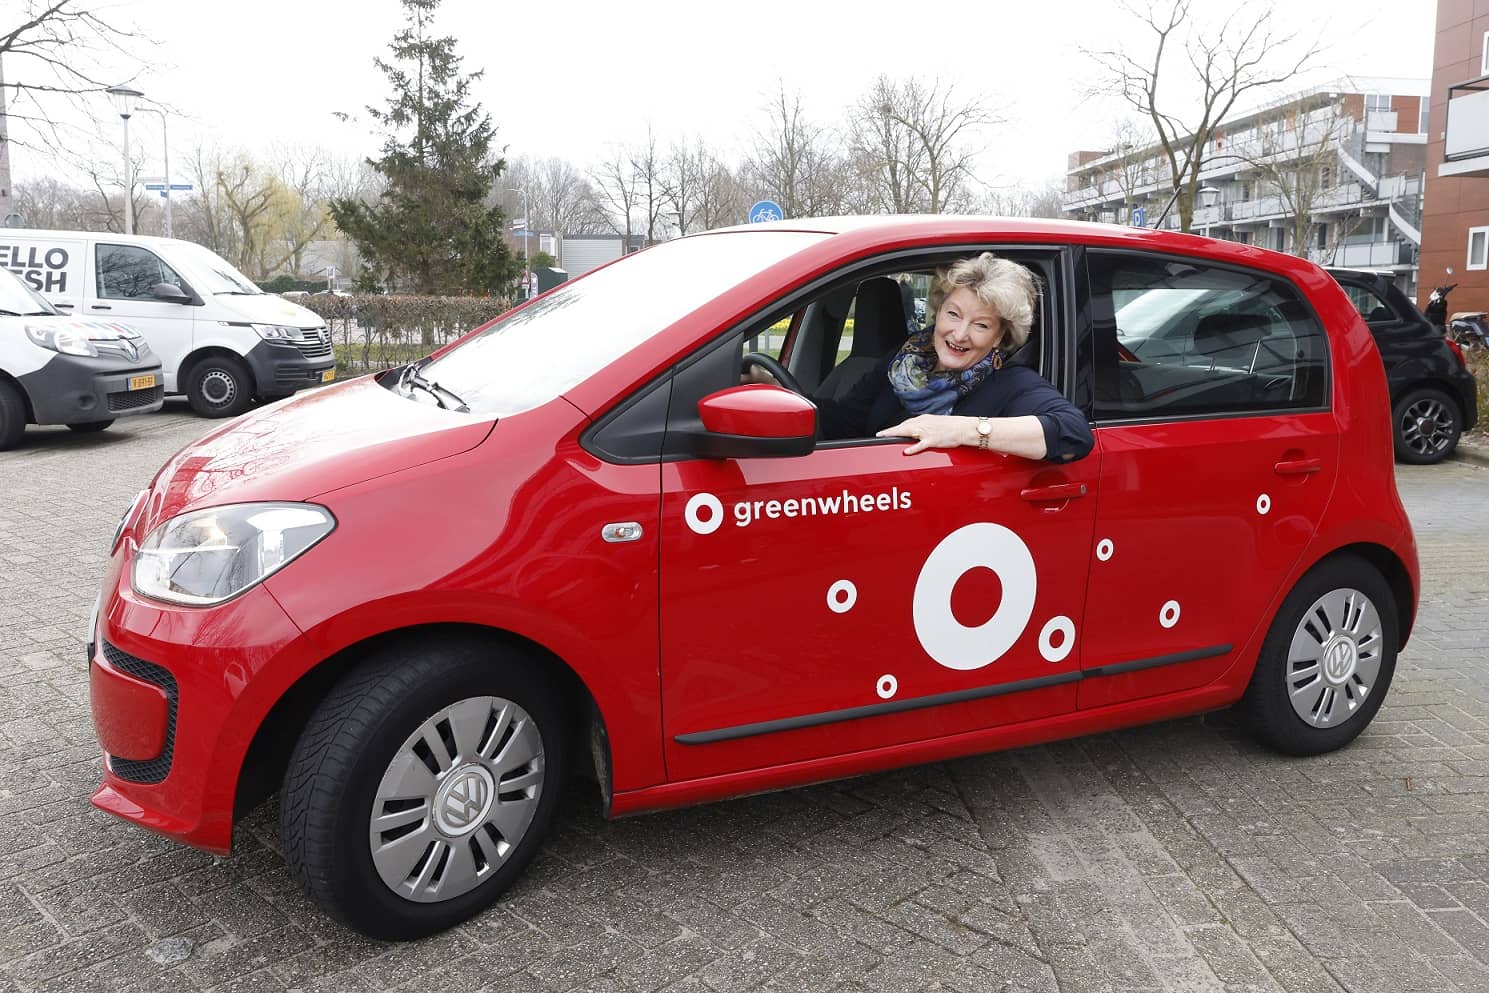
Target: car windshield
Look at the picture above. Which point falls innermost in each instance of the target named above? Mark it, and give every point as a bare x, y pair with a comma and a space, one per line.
211, 274
535, 354
18, 298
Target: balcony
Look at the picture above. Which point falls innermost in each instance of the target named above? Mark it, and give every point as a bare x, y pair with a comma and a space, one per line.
1365, 255
1466, 148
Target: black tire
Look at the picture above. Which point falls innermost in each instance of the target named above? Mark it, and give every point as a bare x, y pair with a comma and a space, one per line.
12, 415
219, 386
1283, 689
358, 739
89, 427
1425, 425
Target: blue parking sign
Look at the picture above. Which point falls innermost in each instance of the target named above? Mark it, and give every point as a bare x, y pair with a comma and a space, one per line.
766, 210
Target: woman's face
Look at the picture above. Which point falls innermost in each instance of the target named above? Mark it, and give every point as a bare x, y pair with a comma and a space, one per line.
966, 330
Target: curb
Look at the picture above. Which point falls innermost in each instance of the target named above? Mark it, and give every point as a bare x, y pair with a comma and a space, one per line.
1476, 452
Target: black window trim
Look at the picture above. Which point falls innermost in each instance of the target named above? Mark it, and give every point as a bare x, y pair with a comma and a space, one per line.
1063, 258
1097, 312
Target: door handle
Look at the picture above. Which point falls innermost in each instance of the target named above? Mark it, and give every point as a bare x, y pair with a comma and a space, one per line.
1049, 494
100, 306
1298, 467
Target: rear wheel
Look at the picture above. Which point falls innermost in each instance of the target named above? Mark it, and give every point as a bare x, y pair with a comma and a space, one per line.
1327, 660
1426, 423
219, 386
12, 415
423, 785
88, 427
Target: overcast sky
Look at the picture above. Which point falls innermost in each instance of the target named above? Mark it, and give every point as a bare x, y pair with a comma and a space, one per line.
573, 78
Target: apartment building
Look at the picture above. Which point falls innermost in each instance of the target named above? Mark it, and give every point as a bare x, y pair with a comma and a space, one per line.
1333, 172
1455, 225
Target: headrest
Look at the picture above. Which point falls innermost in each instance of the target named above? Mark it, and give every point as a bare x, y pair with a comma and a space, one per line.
1218, 332
880, 320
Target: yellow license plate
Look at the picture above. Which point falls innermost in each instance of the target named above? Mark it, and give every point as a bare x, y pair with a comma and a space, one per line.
142, 382
328, 375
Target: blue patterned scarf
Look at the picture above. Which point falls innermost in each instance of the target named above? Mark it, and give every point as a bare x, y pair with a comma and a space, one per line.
923, 391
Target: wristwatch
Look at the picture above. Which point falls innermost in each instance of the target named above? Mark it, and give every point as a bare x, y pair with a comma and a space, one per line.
984, 432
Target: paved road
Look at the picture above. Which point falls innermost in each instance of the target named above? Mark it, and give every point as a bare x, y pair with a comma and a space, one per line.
1176, 857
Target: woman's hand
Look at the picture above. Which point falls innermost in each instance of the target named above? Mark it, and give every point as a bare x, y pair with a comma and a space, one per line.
934, 431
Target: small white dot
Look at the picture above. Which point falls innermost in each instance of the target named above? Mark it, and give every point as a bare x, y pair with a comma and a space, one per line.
1169, 615
888, 686
1104, 549
1263, 504
841, 596
1056, 653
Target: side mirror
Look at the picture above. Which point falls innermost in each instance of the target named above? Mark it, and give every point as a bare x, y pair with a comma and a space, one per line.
755, 421
170, 293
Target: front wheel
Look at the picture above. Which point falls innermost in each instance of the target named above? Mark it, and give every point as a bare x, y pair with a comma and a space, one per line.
12, 415
1327, 660
1426, 424
219, 386
423, 785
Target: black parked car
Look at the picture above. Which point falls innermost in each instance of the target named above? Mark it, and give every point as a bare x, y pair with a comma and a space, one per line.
1432, 393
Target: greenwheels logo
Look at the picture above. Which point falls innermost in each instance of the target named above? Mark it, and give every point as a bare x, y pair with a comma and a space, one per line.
705, 512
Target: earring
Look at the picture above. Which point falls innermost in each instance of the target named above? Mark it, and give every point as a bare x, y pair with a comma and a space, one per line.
997, 360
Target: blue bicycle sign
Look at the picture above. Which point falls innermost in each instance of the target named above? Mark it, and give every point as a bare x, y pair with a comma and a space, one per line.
766, 210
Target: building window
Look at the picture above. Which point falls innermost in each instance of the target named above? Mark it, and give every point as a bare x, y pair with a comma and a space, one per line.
1377, 101
1478, 248
1484, 62
1422, 117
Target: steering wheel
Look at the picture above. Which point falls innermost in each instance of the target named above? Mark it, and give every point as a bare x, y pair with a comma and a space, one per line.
773, 367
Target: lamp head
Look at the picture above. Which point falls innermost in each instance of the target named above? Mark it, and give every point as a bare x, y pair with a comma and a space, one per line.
124, 98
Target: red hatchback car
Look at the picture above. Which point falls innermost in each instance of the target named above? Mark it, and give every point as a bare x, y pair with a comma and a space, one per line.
412, 603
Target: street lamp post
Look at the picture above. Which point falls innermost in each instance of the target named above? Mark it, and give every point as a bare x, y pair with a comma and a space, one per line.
526, 233
124, 98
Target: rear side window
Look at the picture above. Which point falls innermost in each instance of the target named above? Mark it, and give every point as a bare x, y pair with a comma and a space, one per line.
1177, 338
126, 272
1371, 307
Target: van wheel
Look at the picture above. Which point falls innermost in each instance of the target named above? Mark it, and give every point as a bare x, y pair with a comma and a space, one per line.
1426, 424
88, 427
423, 785
1327, 660
12, 415
219, 386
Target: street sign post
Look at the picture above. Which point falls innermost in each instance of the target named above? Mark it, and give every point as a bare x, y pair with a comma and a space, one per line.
766, 210
1139, 217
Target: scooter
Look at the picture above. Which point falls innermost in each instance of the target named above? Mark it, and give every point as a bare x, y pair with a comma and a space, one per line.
1470, 330
1436, 310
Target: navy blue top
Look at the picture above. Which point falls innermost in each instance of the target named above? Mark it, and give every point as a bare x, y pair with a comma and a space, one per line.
1012, 391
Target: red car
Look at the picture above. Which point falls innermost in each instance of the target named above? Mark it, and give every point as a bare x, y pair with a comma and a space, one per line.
412, 603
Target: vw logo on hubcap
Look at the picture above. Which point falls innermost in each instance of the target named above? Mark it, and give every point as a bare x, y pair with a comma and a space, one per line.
464, 799
1339, 660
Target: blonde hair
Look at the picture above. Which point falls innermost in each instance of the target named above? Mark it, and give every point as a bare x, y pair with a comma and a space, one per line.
1005, 286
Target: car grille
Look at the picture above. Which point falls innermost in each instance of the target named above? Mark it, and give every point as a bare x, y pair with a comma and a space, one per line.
316, 344
146, 770
134, 399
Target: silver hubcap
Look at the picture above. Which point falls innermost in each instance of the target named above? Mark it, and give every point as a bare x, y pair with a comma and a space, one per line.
1334, 660
219, 388
458, 796
1427, 426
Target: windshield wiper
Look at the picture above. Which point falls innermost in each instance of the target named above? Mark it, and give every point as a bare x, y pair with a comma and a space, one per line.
11, 313
238, 293
410, 376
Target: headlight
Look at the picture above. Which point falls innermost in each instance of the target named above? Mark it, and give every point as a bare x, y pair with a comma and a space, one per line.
277, 332
209, 556
68, 341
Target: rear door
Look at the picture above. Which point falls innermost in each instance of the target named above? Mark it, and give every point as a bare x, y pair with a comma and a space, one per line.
1219, 452
122, 288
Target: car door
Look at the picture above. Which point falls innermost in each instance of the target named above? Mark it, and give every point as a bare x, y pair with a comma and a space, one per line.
1219, 452
854, 598
122, 289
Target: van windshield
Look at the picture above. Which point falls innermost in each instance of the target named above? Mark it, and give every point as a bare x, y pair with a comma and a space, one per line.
537, 353
19, 300
212, 274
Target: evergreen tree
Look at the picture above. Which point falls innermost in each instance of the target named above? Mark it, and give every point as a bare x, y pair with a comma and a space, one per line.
431, 230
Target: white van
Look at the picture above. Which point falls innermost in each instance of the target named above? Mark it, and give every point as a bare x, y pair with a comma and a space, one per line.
56, 369
221, 340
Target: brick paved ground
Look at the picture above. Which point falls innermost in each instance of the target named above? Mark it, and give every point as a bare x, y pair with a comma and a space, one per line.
1176, 857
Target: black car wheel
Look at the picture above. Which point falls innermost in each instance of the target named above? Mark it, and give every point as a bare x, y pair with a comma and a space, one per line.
219, 386
12, 415
423, 785
1426, 423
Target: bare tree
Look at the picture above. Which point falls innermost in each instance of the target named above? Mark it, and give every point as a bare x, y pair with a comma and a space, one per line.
788, 154
560, 198
1227, 61
925, 142
1020, 201
1130, 165
51, 204
616, 193
305, 174
1296, 159
652, 193
887, 149
720, 197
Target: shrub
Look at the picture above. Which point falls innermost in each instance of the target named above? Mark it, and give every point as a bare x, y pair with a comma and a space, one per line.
376, 331
1478, 364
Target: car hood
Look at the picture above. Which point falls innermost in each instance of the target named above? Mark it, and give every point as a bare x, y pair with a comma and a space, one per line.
267, 308
310, 444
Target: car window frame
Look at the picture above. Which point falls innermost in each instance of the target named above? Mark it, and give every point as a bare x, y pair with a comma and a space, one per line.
1099, 311
98, 272
1057, 351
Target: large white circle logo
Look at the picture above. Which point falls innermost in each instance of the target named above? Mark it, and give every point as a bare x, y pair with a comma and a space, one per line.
704, 513
976, 546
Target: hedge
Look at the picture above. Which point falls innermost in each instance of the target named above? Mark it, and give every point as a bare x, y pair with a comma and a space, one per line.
1478, 364
374, 331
